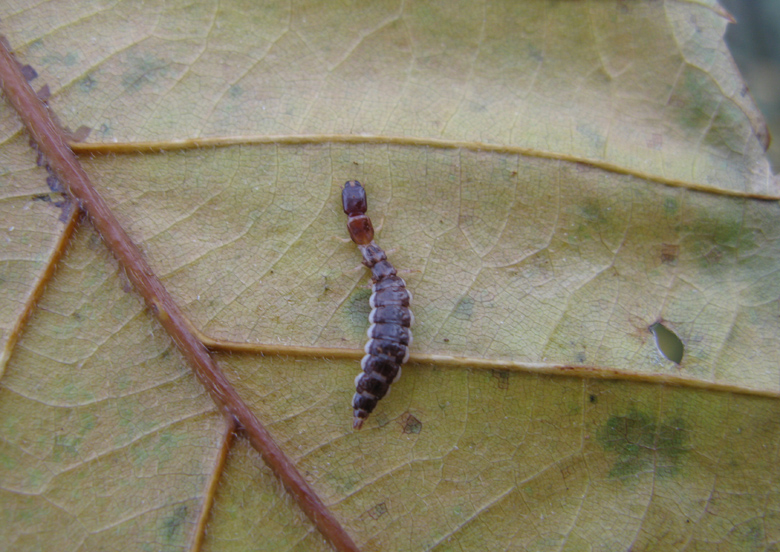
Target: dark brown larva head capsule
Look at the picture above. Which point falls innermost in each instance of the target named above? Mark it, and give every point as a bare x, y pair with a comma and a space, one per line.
353, 198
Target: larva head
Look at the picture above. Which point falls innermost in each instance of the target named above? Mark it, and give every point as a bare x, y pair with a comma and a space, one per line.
353, 197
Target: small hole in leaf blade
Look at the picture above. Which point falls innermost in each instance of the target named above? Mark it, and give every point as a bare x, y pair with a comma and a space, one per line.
667, 342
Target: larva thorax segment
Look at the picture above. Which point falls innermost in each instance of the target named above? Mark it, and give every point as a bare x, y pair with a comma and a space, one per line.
389, 334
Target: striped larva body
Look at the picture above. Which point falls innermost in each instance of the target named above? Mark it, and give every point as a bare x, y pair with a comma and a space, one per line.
389, 336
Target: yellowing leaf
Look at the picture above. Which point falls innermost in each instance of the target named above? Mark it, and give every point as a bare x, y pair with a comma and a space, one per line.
106, 435
557, 177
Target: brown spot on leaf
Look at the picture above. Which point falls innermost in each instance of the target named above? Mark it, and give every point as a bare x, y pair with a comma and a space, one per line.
503, 378
764, 135
655, 141
410, 424
582, 167
714, 255
669, 253
377, 511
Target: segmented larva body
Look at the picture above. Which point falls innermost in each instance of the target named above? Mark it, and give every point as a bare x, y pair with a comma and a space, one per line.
389, 334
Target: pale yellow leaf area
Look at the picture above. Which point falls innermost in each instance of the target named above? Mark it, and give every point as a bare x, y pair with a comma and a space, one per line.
555, 177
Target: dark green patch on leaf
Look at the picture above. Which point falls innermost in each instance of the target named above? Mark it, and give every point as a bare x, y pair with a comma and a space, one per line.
143, 71
56, 58
171, 525
642, 444
465, 308
88, 423
358, 309
695, 99
65, 447
592, 212
720, 132
535, 53
87, 84
592, 135
750, 535
671, 206
7, 462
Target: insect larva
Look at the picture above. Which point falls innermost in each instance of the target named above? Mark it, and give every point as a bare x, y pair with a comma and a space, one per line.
389, 334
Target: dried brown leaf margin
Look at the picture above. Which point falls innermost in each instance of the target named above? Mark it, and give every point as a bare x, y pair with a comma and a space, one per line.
51, 141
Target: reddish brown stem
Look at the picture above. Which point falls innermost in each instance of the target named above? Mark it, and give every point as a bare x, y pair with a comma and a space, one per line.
51, 142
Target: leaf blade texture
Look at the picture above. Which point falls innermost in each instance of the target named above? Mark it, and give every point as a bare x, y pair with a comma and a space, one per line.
558, 177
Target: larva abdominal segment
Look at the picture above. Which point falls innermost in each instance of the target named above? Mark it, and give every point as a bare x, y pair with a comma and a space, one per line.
390, 318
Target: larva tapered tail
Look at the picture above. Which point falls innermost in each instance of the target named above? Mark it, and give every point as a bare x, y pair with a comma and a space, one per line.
389, 334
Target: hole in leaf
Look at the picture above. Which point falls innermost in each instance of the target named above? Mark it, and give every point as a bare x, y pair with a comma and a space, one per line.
667, 342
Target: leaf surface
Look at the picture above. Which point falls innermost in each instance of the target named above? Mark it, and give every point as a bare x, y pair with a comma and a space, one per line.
557, 177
